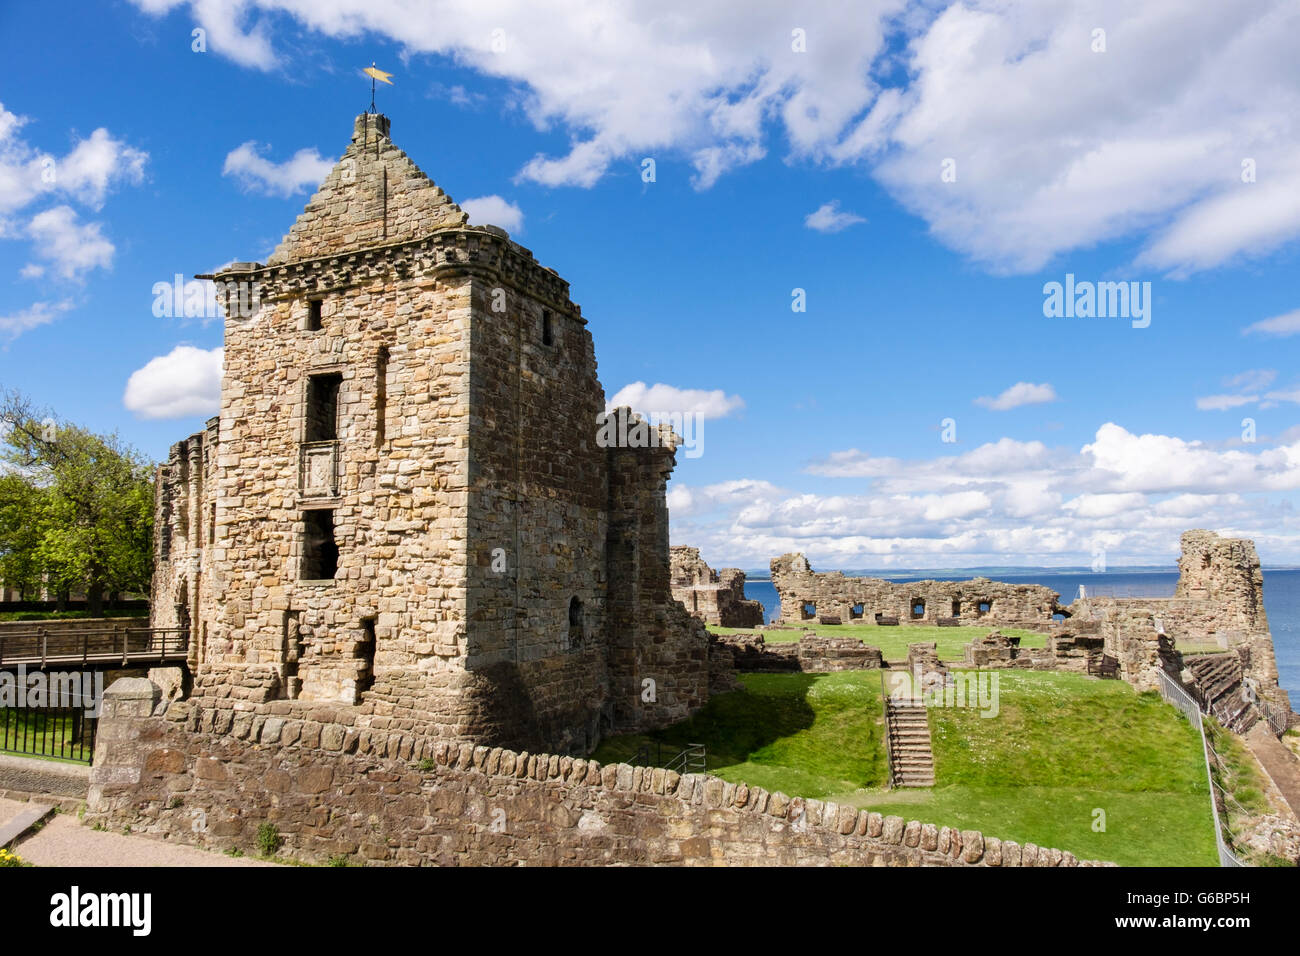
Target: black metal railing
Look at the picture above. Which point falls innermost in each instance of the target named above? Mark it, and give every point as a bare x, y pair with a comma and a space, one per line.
39, 647
63, 733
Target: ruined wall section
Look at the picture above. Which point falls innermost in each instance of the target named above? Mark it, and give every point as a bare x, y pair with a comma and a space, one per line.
809, 654
1220, 595
715, 597
184, 516
1221, 587
979, 600
334, 786
659, 653
1130, 633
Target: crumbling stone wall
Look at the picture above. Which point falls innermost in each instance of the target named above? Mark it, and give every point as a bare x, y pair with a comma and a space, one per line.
810, 654
334, 787
1220, 595
403, 502
715, 597
184, 533
863, 600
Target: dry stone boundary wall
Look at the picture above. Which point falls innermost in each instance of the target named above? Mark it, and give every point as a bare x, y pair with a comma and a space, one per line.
196, 776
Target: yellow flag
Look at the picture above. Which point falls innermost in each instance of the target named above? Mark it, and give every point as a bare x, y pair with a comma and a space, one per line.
379, 75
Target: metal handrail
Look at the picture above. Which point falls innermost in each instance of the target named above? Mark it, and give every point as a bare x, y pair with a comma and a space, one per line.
694, 759
889, 748
1174, 693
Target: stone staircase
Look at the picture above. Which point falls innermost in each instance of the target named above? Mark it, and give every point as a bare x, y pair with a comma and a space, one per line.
1217, 679
910, 754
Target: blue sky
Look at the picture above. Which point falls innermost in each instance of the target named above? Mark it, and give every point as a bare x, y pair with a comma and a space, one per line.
824, 428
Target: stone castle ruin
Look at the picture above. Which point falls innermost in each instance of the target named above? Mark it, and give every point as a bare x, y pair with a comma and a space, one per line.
715, 597
807, 595
403, 506
419, 587
1218, 601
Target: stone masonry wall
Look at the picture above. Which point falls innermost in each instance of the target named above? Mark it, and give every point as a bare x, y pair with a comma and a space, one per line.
1220, 594
810, 654
210, 778
832, 593
715, 597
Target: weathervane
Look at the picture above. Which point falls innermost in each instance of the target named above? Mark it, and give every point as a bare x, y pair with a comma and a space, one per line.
375, 74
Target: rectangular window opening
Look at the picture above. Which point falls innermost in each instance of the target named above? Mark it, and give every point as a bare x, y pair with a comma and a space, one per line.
320, 556
323, 407
314, 309
548, 333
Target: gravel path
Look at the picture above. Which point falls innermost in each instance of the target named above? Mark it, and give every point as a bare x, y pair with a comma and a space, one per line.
64, 841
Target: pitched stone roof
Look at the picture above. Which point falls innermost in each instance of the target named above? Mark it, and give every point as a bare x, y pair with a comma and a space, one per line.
375, 195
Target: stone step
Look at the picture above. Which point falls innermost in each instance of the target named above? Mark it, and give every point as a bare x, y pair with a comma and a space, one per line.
911, 754
24, 821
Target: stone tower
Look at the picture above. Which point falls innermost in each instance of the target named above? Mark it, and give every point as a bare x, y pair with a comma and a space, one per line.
403, 505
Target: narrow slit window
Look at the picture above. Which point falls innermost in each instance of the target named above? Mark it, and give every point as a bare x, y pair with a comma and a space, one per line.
548, 333
576, 627
381, 397
314, 311
366, 653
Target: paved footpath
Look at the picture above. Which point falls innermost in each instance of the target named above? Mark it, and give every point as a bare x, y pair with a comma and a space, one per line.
65, 841
1278, 760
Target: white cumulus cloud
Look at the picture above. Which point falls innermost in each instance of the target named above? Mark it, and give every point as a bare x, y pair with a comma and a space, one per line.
74, 248
87, 173
663, 399
304, 170
1051, 143
183, 383
494, 211
1006, 500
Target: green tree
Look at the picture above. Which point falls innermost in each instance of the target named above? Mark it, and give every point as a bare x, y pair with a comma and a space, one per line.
76, 508
21, 505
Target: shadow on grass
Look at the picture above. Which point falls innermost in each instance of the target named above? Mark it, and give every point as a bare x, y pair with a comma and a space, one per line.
806, 734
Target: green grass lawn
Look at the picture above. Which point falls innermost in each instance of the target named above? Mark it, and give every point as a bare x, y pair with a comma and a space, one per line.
802, 734
893, 641
69, 615
1061, 747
